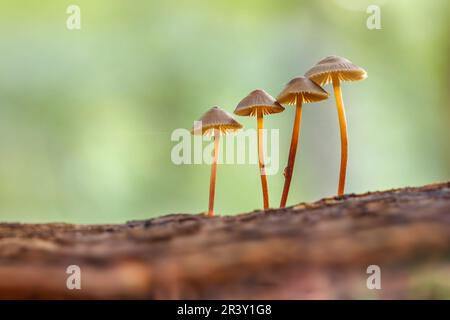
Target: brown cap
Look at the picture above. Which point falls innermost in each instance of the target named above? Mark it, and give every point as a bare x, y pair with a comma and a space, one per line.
301, 88
216, 118
344, 69
258, 100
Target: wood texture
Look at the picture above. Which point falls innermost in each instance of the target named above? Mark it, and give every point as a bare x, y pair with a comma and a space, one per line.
316, 250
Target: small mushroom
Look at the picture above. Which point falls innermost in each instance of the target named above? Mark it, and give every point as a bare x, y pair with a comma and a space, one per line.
336, 69
215, 121
259, 103
298, 91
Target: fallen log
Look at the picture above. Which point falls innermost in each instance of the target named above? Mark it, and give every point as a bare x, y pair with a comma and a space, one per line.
308, 251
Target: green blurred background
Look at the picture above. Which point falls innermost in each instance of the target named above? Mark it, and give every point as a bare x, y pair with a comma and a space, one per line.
86, 115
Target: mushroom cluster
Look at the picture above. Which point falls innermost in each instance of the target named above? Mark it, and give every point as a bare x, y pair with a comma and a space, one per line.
300, 90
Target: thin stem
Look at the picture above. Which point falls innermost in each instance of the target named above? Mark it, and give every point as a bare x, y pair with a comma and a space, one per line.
292, 152
344, 134
212, 182
262, 169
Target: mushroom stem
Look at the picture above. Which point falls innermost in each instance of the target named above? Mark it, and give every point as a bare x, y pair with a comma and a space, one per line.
262, 169
344, 135
212, 182
292, 152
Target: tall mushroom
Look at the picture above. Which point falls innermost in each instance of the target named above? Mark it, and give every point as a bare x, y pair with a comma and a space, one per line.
336, 69
259, 103
298, 91
215, 121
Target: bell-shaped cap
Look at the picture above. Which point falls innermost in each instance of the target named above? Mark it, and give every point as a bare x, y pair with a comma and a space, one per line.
258, 100
334, 66
301, 88
215, 118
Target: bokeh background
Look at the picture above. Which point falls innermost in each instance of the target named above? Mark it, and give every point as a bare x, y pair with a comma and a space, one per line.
86, 115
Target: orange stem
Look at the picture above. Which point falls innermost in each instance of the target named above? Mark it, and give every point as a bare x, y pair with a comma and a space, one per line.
344, 134
262, 168
292, 152
212, 182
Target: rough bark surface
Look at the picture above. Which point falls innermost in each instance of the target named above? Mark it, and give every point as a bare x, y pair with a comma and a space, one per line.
316, 250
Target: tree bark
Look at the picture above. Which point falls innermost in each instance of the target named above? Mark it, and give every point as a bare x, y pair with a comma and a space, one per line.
311, 250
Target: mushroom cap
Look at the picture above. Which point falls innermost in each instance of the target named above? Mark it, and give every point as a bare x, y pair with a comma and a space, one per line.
330, 66
258, 100
302, 88
216, 118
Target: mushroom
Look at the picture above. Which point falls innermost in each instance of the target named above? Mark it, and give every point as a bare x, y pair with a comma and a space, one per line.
298, 91
215, 122
259, 103
336, 69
